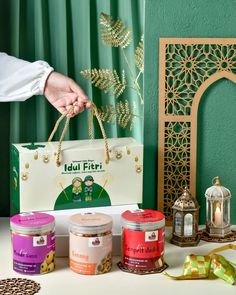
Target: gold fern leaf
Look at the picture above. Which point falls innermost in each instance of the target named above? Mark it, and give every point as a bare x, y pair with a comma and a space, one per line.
106, 80
139, 55
113, 32
107, 113
123, 113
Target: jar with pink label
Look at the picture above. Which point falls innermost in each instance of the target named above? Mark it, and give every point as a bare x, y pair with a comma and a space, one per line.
33, 243
143, 241
90, 243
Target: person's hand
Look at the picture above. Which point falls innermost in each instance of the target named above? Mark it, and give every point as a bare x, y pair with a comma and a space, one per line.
63, 93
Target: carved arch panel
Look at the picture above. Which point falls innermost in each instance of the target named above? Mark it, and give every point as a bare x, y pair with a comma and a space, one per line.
187, 67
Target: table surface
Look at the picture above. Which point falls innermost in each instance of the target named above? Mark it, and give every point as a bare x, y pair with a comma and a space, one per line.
63, 281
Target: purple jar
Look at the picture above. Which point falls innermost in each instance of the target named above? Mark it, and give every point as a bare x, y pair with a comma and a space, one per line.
33, 243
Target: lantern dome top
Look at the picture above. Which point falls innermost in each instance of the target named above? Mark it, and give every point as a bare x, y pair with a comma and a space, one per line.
217, 191
186, 202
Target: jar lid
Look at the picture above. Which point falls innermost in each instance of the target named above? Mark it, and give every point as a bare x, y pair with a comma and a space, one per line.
143, 219
90, 223
32, 223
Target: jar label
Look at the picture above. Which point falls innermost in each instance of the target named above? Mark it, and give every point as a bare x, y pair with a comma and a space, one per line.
95, 242
151, 236
33, 254
40, 241
136, 210
90, 255
143, 250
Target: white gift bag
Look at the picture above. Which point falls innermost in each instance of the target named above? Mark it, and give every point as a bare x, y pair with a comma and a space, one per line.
76, 174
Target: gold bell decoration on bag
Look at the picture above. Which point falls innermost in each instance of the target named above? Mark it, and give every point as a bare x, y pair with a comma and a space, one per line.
218, 214
185, 220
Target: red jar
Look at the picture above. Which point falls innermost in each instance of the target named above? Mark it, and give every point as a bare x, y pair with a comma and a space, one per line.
143, 240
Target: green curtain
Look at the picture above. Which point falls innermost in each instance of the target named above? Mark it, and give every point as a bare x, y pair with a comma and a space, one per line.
65, 33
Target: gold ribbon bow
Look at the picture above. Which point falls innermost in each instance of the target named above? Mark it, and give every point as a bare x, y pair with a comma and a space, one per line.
200, 266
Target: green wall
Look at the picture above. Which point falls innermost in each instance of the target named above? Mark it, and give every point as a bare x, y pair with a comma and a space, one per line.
168, 18
217, 125
217, 141
4, 114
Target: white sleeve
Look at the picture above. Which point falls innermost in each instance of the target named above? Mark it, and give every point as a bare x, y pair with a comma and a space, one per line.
20, 79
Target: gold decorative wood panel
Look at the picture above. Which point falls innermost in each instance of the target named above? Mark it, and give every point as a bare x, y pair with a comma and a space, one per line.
188, 66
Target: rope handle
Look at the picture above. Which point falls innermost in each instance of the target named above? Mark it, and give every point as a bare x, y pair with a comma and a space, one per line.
93, 112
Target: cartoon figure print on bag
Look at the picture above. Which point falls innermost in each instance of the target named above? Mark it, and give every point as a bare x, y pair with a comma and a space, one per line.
77, 189
88, 189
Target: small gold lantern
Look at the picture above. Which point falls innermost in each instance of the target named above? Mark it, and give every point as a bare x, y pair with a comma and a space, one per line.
185, 220
218, 210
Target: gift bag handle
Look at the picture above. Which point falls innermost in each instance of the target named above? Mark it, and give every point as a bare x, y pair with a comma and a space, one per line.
93, 112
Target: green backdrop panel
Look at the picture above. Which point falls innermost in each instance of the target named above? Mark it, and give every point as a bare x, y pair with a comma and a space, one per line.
186, 18
217, 141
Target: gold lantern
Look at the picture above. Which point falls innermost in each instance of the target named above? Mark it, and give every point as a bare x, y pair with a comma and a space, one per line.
185, 220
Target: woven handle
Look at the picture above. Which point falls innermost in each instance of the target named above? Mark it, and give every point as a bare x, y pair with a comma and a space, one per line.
93, 112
